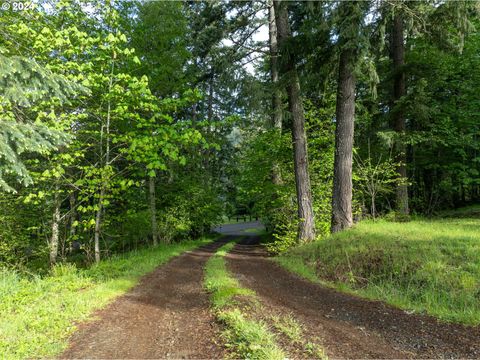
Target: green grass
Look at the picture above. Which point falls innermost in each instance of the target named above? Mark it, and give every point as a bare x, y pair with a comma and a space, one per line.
250, 339
295, 263
37, 314
288, 326
256, 231
219, 283
430, 266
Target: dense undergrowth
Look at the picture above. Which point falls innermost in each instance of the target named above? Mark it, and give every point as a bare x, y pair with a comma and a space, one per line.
37, 314
426, 265
249, 339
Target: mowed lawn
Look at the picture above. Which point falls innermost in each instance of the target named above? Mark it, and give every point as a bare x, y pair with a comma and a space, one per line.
425, 265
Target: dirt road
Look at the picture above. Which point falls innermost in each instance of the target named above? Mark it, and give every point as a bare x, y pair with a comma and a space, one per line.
349, 327
167, 315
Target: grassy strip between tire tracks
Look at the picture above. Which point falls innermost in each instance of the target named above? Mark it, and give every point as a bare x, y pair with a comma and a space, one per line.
249, 338
37, 314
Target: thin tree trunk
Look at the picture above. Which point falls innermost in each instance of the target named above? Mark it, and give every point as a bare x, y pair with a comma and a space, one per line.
374, 208
399, 125
98, 222
153, 209
55, 227
342, 171
73, 229
210, 100
98, 216
277, 117
73, 215
194, 114
306, 229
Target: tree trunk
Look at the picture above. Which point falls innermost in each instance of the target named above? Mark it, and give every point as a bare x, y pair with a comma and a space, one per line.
210, 100
399, 125
73, 215
55, 227
98, 223
98, 216
153, 209
342, 171
306, 229
277, 117
374, 208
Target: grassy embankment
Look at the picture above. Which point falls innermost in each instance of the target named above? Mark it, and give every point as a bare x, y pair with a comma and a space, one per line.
249, 338
425, 265
37, 314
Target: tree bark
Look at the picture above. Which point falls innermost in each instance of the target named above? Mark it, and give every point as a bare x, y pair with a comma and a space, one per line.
306, 228
98, 216
342, 171
210, 99
399, 124
98, 223
73, 215
153, 209
55, 227
277, 117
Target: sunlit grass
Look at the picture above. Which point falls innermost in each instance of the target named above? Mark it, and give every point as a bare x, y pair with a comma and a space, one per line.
219, 283
250, 339
428, 266
37, 314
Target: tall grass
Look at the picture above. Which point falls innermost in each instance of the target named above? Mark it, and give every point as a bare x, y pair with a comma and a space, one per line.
425, 265
37, 314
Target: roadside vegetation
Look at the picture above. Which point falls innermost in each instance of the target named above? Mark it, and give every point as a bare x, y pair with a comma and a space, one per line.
289, 327
425, 265
248, 338
37, 314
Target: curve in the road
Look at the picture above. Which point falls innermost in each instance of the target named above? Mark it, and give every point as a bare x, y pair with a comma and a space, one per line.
350, 327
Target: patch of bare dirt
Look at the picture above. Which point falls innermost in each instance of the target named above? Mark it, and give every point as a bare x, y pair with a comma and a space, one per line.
166, 315
349, 327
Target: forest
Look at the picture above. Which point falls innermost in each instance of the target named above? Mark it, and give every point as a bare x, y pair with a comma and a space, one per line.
218, 148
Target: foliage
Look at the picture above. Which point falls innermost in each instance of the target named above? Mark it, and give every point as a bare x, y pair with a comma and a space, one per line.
25, 83
276, 204
160, 34
94, 95
374, 179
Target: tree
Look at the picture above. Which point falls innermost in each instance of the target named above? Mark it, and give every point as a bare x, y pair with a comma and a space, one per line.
306, 227
158, 33
277, 108
375, 178
350, 17
398, 116
25, 83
